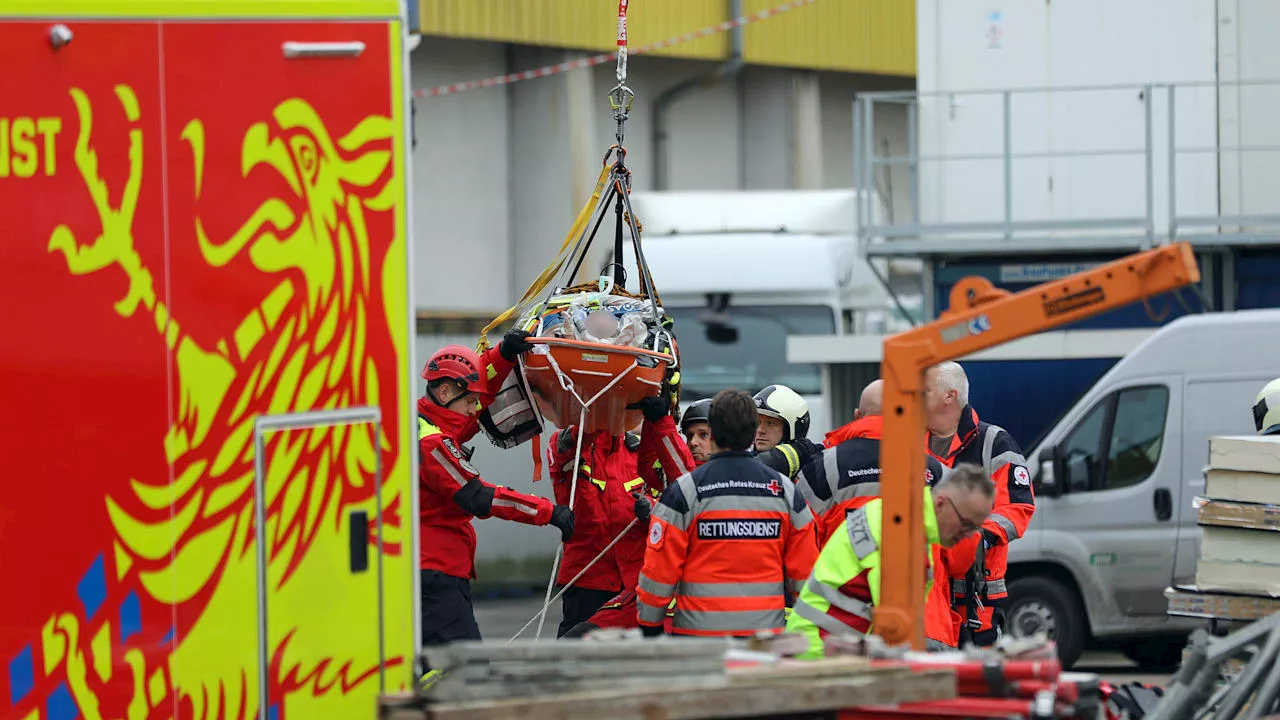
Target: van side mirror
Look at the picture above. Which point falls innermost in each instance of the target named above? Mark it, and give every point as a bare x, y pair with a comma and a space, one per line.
1047, 481
1077, 473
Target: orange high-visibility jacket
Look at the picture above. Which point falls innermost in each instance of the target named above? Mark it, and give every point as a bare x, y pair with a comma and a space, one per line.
993, 449
732, 542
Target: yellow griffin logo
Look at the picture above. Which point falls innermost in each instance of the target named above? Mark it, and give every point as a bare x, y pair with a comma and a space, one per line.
306, 346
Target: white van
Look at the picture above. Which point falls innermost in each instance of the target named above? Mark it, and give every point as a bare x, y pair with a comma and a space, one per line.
741, 271
1115, 480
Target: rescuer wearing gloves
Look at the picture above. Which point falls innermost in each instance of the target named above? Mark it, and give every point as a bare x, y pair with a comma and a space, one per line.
1266, 409
660, 451
840, 596
731, 542
780, 440
459, 385
611, 493
977, 566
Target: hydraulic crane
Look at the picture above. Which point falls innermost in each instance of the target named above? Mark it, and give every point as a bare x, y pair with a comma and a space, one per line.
980, 316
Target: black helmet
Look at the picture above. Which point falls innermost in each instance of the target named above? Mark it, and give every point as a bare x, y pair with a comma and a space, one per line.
699, 411
785, 404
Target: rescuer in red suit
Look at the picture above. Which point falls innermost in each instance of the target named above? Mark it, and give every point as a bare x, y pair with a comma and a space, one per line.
613, 474
459, 385
659, 452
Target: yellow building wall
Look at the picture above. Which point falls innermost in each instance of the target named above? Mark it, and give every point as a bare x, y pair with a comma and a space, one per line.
866, 36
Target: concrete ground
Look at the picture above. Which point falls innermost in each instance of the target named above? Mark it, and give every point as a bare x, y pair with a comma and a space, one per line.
500, 619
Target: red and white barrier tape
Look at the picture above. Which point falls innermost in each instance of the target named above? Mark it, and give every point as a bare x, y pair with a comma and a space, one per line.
605, 57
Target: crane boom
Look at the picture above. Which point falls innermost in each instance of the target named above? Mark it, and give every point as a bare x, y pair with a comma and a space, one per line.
980, 316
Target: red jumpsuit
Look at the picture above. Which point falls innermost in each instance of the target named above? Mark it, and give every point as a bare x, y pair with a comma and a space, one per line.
662, 458
448, 539
608, 474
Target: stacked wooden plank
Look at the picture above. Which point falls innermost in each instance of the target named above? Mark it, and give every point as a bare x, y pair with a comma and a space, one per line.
666, 678
1240, 547
483, 670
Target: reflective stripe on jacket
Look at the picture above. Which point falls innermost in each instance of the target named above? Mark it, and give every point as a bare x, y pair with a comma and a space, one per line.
447, 538
840, 594
847, 476
993, 449
730, 542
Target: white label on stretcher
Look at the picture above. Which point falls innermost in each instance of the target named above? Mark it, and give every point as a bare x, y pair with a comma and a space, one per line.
592, 357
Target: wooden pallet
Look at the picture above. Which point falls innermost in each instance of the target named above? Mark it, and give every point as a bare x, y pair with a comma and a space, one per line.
475, 671
1191, 601
779, 689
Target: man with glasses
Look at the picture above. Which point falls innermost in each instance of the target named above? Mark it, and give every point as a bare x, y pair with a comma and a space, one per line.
841, 593
977, 566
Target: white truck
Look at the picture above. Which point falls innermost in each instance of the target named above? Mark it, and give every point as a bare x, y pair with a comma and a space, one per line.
741, 271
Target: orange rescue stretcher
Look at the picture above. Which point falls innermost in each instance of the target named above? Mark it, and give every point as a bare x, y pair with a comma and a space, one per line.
577, 379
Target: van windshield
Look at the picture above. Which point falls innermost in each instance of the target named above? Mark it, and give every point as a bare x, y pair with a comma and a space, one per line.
757, 358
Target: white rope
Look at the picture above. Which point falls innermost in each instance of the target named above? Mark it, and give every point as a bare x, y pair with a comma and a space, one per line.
573, 496
546, 605
567, 384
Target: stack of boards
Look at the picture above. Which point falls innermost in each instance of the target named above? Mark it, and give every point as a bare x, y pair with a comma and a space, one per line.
644, 679
1238, 572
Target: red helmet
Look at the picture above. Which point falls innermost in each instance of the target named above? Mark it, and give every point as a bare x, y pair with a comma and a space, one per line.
455, 362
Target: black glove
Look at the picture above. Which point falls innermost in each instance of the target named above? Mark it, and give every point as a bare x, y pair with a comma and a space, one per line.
643, 508
653, 408
562, 517
566, 440
514, 344
652, 631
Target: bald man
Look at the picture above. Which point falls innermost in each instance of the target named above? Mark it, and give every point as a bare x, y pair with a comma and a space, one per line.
846, 476
868, 405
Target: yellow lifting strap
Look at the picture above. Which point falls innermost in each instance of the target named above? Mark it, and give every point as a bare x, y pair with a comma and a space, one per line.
540, 283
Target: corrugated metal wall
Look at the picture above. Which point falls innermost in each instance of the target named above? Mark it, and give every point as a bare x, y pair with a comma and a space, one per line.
583, 24
866, 36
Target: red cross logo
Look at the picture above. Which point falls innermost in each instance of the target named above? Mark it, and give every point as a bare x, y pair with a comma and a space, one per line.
774, 487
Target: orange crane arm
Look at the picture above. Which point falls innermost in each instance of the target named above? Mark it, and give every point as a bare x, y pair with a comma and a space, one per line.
980, 316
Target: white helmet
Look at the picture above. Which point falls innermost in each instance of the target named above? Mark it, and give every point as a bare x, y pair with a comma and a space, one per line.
1266, 409
785, 404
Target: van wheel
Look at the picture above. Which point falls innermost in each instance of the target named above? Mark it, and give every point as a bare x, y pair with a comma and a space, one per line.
1158, 654
1043, 605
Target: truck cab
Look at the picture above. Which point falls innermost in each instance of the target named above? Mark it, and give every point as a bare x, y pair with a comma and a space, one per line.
739, 272
1116, 478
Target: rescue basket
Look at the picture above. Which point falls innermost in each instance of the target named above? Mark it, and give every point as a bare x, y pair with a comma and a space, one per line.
597, 346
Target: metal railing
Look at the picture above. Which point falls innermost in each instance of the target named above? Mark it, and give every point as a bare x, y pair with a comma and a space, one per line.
1150, 185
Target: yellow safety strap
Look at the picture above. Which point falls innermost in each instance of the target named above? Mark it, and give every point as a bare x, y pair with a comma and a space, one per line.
540, 283
793, 459
430, 678
630, 484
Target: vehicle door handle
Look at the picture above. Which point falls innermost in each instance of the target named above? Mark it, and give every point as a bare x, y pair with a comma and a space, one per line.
294, 49
359, 541
1163, 503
